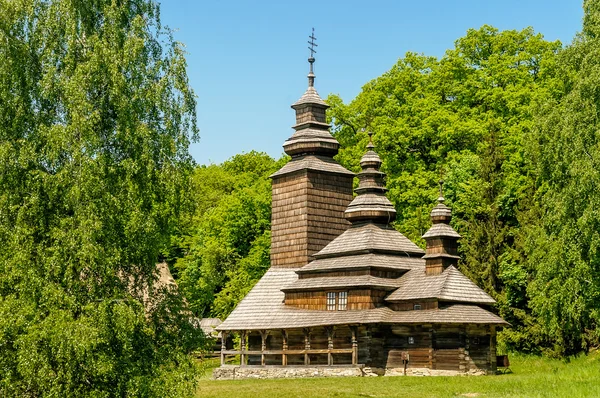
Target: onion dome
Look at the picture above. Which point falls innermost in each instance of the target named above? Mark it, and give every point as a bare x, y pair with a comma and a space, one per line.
441, 215
371, 204
441, 239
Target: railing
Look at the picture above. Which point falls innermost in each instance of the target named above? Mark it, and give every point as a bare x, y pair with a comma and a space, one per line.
289, 352
285, 352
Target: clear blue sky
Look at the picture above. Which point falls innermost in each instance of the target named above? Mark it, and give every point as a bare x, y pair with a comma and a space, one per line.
247, 59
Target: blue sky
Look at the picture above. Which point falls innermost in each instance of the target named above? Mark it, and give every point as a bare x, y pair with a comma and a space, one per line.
247, 59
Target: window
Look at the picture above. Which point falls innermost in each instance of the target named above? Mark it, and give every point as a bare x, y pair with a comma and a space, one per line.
411, 340
342, 301
331, 301
417, 307
337, 300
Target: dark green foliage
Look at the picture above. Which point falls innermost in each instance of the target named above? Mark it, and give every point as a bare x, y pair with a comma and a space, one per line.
95, 120
465, 118
564, 241
227, 245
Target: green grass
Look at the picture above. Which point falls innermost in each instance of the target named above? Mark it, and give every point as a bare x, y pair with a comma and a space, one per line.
532, 377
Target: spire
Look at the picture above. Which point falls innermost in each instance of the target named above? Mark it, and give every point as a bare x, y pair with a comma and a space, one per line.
311, 59
441, 238
312, 135
371, 204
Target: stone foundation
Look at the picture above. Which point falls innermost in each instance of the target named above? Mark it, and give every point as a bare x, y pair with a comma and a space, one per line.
277, 372
232, 372
433, 372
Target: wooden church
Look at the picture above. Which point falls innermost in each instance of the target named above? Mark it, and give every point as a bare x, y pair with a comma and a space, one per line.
347, 294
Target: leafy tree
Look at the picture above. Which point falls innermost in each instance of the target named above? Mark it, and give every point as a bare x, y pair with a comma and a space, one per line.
227, 247
466, 118
563, 241
95, 119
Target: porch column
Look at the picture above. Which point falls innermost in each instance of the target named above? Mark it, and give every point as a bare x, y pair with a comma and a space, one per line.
284, 335
306, 346
329, 345
243, 348
431, 338
223, 346
492, 354
263, 346
354, 345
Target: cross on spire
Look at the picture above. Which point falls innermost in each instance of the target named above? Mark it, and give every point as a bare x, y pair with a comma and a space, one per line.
312, 44
441, 197
370, 145
311, 59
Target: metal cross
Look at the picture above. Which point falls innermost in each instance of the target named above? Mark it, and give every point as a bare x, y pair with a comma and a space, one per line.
312, 43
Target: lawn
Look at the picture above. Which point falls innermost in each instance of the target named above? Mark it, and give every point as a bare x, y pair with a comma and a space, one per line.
532, 377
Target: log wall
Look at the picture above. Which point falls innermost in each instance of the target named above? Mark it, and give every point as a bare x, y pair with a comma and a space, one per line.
308, 213
358, 299
410, 306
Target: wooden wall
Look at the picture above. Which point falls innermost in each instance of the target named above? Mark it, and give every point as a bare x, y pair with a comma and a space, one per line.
410, 305
308, 213
328, 196
358, 299
372, 272
289, 245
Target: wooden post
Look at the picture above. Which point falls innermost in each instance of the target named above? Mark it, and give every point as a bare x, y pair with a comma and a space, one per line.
284, 348
263, 347
223, 346
329, 345
430, 348
354, 345
493, 365
368, 341
434, 348
243, 348
306, 346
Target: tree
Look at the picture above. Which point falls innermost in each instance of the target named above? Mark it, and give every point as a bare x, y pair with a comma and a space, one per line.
466, 118
226, 248
563, 241
96, 115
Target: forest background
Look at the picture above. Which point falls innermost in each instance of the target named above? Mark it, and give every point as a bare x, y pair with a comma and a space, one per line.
97, 185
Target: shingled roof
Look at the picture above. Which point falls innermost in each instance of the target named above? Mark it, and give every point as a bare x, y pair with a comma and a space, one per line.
263, 308
310, 96
333, 282
451, 285
369, 238
312, 162
363, 261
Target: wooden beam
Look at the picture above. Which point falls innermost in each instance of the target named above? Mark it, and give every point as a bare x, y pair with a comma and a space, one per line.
354, 330
306, 346
492, 350
284, 348
290, 352
223, 346
243, 348
263, 346
431, 337
330, 332
434, 349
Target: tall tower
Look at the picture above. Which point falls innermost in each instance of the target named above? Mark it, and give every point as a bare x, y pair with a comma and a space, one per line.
441, 239
311, 192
